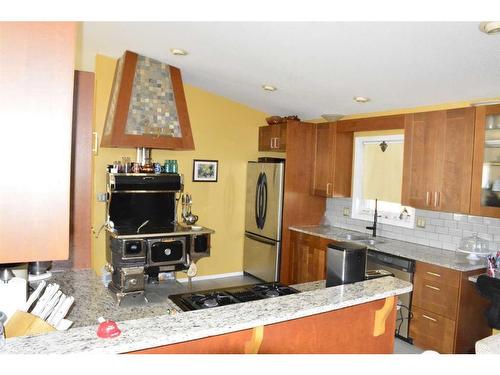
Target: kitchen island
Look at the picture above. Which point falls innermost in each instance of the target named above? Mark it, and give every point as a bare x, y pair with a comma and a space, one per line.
366, 309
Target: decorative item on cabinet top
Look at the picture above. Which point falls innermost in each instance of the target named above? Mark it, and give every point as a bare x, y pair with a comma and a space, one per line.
273, 120
147, 106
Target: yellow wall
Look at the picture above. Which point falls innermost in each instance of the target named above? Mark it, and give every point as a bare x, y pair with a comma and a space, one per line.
223, 130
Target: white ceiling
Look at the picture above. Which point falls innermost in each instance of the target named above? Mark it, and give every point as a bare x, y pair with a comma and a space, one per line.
317, 67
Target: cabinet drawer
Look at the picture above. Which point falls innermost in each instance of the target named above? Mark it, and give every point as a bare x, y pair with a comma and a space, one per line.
431, 331
435, 297
438, 274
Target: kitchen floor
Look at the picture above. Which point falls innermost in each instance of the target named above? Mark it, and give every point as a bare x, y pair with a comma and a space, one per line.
158, 293
402, 347
223, 282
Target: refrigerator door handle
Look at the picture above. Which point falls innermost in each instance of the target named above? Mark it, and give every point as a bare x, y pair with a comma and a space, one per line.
257, 202
264, 201
260, 239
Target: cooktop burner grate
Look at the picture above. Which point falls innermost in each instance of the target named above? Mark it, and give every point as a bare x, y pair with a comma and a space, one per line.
213, 298
207, 300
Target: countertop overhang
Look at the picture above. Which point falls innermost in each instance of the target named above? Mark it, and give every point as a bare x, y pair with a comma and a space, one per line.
166, 329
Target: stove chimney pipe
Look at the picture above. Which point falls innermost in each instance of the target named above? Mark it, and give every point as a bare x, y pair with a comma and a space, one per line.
143, 155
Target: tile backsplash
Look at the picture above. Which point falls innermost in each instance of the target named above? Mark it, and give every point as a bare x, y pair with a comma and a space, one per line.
442, 229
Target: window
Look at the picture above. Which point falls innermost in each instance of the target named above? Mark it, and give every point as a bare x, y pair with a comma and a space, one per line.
378, 174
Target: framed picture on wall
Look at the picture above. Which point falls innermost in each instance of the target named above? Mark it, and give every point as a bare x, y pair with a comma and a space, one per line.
205, 170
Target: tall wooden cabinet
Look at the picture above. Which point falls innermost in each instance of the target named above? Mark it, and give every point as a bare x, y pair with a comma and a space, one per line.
36, 106
332, 161
485, 197
299, 206
438, 160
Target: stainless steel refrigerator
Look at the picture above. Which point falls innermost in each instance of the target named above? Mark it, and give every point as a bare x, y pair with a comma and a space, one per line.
264, 203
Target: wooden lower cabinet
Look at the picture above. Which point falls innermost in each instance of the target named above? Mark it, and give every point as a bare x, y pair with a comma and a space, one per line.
448, 312
432, 331
351, 330
308, 257
437, 297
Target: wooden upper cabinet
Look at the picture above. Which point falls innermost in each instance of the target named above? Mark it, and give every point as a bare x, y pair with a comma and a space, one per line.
273, 138
332, 161
147, 106
266, 138
437, 165
455, 161
36, 107
485, 195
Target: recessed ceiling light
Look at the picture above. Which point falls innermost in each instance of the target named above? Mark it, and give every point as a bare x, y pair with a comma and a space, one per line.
178, 52
490, 27
269, 88
361, 99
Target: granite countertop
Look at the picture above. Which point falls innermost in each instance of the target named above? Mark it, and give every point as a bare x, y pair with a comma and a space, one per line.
93, 300
158, 326
427, 254
488, 345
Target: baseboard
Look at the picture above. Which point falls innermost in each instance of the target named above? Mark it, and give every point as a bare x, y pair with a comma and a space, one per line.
211, 277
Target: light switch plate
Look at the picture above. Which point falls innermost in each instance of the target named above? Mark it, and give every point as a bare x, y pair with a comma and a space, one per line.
420, 222
101, 197
347, 211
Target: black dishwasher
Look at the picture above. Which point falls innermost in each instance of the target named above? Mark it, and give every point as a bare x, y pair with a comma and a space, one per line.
401, 268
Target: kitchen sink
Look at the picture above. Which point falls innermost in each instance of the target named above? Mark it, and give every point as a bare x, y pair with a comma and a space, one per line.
363, 238
372, 241
355, 237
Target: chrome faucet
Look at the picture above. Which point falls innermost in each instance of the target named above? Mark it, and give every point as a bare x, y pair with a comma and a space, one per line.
374, 226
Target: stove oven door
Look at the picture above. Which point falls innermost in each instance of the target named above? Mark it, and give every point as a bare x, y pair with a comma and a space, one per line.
166, 251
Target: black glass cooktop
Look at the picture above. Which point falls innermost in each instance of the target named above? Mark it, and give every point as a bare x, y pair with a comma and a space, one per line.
221, 297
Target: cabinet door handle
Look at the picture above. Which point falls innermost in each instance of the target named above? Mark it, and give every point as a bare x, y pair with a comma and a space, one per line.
429, 318
272, 140
432, 287
436, 198
433, 274
428, 199
328, 188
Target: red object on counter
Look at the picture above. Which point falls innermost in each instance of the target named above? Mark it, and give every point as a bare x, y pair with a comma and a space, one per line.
107, 329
